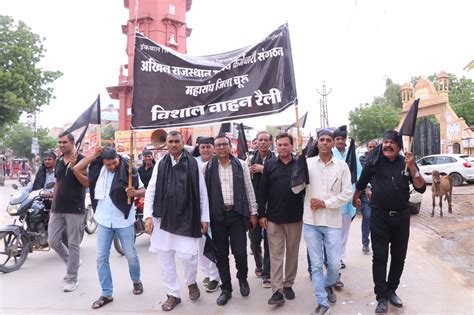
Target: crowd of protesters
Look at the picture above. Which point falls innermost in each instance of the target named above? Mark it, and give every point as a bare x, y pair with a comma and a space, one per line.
209, 196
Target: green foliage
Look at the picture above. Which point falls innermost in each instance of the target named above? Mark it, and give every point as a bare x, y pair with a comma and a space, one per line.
371, 121
107, 135
18, 138
23, 85
461, 97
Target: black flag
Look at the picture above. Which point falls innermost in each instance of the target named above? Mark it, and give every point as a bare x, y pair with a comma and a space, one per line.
300, 175
242, 147
302, 122
408, 126
308, 146
89, 116
190, 140
225, 127
210, 249
351, 160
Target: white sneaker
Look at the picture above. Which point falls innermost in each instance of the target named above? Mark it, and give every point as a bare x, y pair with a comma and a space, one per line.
71, 285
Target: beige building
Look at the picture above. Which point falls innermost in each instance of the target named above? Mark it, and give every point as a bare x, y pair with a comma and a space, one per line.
455, 136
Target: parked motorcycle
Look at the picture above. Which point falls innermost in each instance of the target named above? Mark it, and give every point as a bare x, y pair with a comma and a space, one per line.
17, 240
139, 225
23, 178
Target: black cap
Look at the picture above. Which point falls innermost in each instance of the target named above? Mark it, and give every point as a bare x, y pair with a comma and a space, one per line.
341, 132
325, 132
394, 136
108, 154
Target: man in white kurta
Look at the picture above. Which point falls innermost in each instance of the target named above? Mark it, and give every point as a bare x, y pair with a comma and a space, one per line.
169, 245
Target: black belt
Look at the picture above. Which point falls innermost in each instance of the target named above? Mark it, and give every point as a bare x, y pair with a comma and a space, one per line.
394, 213
228, 208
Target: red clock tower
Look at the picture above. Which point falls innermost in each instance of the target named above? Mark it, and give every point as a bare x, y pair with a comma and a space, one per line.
163, 21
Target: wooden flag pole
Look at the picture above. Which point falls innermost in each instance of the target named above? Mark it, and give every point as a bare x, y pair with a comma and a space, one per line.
130, 166
410, 149
298, 131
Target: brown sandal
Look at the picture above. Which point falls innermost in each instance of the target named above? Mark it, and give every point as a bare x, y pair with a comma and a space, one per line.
101, 301
137, 288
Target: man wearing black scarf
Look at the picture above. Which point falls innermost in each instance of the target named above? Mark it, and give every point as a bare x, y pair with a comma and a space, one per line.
390, 217
232, 205
146, 169
264, 142
176, 213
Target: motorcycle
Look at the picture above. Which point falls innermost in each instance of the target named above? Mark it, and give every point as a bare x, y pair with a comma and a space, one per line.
139, 224
23, 178
17, 240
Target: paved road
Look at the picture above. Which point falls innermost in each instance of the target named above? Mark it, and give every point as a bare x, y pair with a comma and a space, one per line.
428, 285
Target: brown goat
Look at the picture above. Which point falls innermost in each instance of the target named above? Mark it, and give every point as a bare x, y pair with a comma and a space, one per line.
440, 187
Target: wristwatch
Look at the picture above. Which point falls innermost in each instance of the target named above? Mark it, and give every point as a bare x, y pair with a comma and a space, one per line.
417, 174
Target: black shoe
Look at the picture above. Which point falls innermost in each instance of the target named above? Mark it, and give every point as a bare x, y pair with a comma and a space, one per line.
276, 299
331, 295
289, 293
224, 298
244, 287
394, 299
382, 306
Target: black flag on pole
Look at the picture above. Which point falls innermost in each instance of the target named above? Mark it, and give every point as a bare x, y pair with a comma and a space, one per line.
89, 116
308, 145
242, 146
408, 126
351, 160
225, 127
302, 122
172, 90
190, 140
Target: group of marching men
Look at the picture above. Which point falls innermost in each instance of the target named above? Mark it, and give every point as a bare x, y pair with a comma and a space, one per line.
219, 196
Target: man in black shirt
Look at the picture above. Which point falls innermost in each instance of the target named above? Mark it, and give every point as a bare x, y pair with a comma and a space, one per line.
257, 161
146, 169
390, 218
67, 211
281, 212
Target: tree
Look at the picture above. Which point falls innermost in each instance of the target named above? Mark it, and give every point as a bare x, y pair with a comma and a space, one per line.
461, 97
18, 138
371, 121
24, 87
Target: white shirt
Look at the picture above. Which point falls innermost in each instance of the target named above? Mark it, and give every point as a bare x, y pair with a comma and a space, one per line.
331, 183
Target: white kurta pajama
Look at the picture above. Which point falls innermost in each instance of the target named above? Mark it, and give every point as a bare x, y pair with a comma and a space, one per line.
167, 245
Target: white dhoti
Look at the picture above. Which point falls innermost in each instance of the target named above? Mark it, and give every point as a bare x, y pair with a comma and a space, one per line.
168, 246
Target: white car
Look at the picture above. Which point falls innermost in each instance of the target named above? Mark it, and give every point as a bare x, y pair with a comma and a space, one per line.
458, 167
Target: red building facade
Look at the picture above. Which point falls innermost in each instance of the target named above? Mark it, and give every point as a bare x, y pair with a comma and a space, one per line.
163, 21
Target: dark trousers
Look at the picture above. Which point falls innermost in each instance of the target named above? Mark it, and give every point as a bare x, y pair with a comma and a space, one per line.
388, 231
233, 229
263, 263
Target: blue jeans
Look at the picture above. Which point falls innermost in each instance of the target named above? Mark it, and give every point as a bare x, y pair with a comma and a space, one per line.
105, 237
316, 237
365, 210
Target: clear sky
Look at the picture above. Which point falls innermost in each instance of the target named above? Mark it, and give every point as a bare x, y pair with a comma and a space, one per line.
352, 45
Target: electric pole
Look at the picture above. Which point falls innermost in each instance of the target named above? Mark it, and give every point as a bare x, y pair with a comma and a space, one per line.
323, 107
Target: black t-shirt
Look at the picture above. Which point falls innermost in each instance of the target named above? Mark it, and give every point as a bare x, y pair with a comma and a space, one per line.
145, 174
69, 194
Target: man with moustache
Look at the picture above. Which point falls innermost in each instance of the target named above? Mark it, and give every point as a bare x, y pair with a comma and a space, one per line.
67, 212
45, 175
211, 280
176, 215
390, 218
232, 206
365, 196
329, 188
280, 213
264, 142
